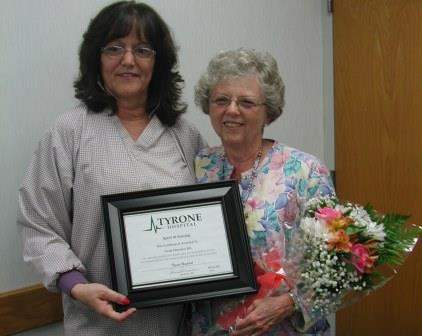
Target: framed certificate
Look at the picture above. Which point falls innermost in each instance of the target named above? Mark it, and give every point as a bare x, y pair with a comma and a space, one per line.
178, 244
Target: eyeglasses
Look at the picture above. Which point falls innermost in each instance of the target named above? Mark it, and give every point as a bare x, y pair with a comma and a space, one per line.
244, 103
116, 51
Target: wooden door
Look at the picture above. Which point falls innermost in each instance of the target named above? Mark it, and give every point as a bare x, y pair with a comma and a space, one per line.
378, 140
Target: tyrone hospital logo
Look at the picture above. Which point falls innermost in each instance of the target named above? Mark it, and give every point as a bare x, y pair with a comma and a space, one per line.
174, 222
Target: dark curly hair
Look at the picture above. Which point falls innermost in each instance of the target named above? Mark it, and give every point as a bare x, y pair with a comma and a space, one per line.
116, 21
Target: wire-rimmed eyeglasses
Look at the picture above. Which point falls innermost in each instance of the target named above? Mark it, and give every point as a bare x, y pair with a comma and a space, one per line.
245, 103
116, 51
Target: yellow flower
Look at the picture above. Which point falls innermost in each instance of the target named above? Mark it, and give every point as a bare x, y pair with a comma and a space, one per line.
199, 164
252, 221
337, 224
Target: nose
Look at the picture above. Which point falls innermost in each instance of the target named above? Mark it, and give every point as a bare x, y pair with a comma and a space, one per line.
128, 57
233, 107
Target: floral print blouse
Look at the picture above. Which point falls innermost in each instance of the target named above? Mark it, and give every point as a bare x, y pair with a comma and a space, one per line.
272, 197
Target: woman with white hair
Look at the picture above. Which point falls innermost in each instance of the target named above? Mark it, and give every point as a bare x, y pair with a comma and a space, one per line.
242, 92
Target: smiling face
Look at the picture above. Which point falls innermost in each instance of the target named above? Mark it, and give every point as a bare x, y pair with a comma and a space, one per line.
238, 124
127, 77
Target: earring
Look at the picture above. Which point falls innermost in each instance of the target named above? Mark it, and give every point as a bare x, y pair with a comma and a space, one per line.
101, 85
105, 90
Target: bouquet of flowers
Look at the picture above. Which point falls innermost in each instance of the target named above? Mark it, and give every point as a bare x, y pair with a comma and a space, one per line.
342, 251
334, 254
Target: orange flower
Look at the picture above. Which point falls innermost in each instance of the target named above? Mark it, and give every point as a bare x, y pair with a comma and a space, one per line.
370, 264
337, 224
340, 242
371, 245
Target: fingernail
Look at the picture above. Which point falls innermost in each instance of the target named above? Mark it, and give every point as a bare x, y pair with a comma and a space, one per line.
125, 301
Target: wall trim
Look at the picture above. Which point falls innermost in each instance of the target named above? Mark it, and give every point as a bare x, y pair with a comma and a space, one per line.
28, 308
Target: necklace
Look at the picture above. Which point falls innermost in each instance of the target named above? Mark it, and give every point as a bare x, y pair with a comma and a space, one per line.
246, 192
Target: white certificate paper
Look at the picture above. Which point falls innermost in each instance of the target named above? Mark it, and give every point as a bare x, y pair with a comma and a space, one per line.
168, 246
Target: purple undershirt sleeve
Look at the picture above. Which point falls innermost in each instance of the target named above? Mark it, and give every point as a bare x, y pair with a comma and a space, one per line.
69, 279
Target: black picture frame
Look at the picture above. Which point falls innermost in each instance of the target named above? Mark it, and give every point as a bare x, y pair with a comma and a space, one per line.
136, 220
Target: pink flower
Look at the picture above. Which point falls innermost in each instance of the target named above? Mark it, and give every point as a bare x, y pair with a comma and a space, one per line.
328, 214
278, 159
255, 204
273, 259
360, 258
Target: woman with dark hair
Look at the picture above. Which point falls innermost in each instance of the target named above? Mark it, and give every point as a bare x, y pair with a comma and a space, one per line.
113, 23
126, 135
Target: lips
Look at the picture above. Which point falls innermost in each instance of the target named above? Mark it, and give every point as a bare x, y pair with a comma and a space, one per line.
232, 124
127, 74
